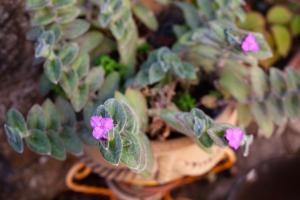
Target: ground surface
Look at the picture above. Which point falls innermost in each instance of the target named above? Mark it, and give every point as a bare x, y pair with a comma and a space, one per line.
29, 177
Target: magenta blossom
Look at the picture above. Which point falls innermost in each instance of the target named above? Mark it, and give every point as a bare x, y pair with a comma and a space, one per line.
101, 126
234, 137
250, 44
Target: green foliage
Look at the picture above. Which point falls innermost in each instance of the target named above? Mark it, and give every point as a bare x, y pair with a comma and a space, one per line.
282, 39
50, 129
185, 101
162, 63
279, 15
126, 143
271, 103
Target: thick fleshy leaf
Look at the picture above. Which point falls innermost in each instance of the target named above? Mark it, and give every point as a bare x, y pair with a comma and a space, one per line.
117, 113
52, 116
89, 41
279, 15
81, 65
53, 69
69, 53
254, 21
75, 28
295, 25
145, 15
261, 116
190, 14
16, 120
80, 97
244, 114
277, 81
43, 17
66, 111
62, 3
38, 142
88, 111
14, 138
71, 141
95, 78
67, 14
139, 104
276, 110
109, 86
259, 82
57, 146
292, 104
69, 82
36, 4
282, 38
85, 135
36, 118
111, 150
293, 79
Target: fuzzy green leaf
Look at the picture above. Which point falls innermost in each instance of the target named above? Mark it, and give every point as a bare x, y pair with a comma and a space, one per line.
276, 110
259, 82
262, 118
293, 79
36, 4
15, 119
69, 82
295, 25
110, 85
57, 146
75, 28
71, 141
43, 17
63, 3
277, 81
67, 14
36, 118
292, 104
80, 97
38, 142
95, 78
52, 116
146, 16
69, 53
81, 65
89, 41
14, 138
53, 69
66, 111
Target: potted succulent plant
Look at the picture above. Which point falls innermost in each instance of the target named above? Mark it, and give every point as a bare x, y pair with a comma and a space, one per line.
129, 113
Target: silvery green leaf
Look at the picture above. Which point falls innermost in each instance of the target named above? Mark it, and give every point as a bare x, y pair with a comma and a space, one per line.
259, 82
80, 97
88, 111
62, 3
75, 28
292, 104
277, 81
38, 142
112, 149
95, 78
293, 79
36, 118
89, 41
34, 33
56, 29
43, 17
68, 14
15, 119
71, 141
57, 146
156, 73
138, 103
81, 65
14, 138
53, 69
276, 109
69, 82
190, 13
52, 116
48, 37
66, 111
262, 118
117, 113
69, 53
85, 135
146, 16
244, 114
36, 4
110, 85
131, 151
45, 85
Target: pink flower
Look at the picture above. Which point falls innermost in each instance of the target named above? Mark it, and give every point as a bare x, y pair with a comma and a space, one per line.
101, 126
234, 137
250, 44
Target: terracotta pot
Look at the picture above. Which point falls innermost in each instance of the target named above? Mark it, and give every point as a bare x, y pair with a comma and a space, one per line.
174, 159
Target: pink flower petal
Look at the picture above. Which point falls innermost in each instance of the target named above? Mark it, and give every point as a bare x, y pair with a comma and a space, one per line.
234, 137
250, 44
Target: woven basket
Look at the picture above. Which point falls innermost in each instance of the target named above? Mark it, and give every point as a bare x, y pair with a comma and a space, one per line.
174, 159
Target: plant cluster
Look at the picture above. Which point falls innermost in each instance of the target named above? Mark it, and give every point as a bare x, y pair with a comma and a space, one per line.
78, 40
